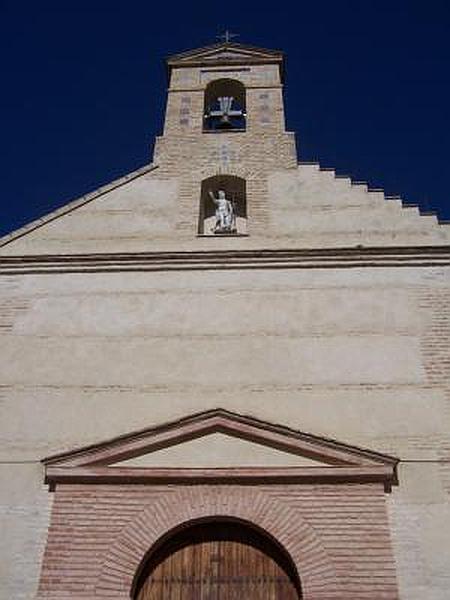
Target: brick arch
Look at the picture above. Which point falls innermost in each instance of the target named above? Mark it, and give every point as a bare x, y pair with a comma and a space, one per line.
211, 77
180, 506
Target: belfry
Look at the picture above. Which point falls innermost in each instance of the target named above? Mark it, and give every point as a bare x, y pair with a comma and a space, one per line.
224, 131
227, 373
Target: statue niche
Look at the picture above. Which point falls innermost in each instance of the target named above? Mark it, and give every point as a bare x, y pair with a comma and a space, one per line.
223, 208
224, 106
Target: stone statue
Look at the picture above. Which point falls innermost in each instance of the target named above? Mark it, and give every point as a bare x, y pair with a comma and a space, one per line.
225, 217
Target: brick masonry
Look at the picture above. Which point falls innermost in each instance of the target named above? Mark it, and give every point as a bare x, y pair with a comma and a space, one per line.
337, 535
186, 152
435, 306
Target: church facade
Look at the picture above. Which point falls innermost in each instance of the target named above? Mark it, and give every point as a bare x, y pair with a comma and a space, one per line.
226, 373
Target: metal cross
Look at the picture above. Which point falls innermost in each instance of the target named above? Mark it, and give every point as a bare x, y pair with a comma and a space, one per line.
227, 36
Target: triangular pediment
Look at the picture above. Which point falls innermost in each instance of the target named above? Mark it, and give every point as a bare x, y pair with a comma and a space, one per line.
223, 53
219, 450
218, 444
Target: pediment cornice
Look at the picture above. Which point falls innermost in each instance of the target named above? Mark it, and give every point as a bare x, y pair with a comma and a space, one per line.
225, 53
339, 462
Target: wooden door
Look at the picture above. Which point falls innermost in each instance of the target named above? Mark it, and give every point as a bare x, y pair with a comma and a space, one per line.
219, 561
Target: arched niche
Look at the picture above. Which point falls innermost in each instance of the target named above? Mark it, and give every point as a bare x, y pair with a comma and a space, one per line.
234, 190
218, 558
224, 106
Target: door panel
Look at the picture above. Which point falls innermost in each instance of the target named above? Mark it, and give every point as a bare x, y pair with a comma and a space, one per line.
219, 561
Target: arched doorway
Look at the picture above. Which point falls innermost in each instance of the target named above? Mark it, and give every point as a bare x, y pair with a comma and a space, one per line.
218, 560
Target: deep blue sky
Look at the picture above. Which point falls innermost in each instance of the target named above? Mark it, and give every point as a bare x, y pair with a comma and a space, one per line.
367, 90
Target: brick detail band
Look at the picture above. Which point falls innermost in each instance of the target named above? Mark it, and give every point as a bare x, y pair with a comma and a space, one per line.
336, 535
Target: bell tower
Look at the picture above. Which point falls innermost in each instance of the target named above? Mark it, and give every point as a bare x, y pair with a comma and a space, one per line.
224, 131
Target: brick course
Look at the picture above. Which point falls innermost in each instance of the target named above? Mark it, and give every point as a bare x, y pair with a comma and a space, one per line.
337, 535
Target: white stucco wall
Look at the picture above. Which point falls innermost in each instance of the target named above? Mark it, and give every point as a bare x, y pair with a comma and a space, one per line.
341, 353
304, 207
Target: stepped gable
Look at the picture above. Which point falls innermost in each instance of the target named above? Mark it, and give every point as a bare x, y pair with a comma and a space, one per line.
308, 208
166, 206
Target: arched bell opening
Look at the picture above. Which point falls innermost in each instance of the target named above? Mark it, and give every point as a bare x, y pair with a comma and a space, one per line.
223, 206
217, 558
224, 106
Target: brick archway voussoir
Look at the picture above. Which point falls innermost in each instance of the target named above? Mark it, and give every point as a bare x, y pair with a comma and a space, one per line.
175, 507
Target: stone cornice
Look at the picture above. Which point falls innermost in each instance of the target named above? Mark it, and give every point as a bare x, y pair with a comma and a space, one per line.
241, 475
340, 463
325, 258
219, 420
